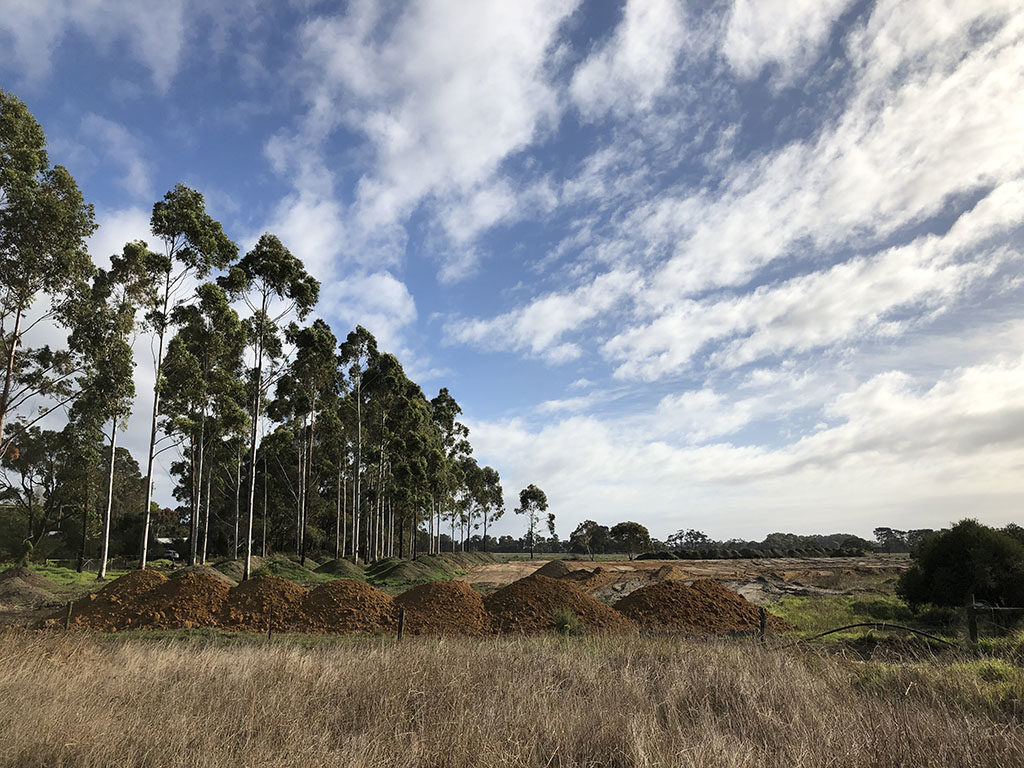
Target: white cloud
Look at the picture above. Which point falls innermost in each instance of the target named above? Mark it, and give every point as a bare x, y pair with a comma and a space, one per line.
636, 64
443, 95
378, 301
787, 33
900, 450
539, 327
852, 299
156, 34
120, 147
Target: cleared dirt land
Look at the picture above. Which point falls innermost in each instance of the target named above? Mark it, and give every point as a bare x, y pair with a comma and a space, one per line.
761, 581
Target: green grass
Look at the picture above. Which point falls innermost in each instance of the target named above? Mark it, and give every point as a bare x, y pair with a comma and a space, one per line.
820, 614
286, 568
69, 580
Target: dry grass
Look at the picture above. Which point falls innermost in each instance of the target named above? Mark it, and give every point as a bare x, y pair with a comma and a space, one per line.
89, 700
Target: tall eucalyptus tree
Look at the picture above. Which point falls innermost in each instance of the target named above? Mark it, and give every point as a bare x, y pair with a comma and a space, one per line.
273, 284
43, 225
193, 245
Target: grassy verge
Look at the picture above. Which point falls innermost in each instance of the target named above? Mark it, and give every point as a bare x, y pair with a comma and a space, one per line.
200, 700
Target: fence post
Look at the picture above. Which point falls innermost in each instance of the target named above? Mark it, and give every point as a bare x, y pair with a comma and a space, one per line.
67, 617
401, 622
270, 623
762, 625
972, 621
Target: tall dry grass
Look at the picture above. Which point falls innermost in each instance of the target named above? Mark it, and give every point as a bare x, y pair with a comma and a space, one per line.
86, 700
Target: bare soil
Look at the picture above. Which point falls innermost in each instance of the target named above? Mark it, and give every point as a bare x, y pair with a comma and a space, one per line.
760, 581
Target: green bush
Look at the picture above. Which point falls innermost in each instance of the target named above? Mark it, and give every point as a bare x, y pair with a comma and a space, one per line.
568, 624
968, 559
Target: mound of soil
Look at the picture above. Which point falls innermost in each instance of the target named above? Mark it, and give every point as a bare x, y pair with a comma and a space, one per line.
262, 601
348, 605
189, 601
235, 569
529, 606
206, 570
553, 569
16, 594
342, 568
119, 605
670, 573
589, 581
29, 577
444, 608
706, 607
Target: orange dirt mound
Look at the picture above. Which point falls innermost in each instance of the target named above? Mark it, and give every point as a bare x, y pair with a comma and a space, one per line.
117, 606
553, 569
529, 606
706, 607
444, 608
348, 605
590, 581
192, 600
263, 601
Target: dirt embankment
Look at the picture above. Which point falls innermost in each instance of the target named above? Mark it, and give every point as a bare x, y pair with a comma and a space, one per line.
529, 606
348, 605
263, 602
444, 608
705, 607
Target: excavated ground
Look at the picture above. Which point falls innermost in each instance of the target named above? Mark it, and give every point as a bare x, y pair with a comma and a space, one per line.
193, 600
529, 606
444, 608
705, 607
347, 605
197, 598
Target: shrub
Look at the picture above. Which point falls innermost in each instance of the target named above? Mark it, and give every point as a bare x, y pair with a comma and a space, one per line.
568, 624
968, 559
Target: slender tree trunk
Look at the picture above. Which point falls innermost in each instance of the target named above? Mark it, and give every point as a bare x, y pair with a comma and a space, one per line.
198, 503
252, 447
338, 494
263, 549
238, 497
359, 468
110, 502
298, 497
5, 398
306, 484
153, 424
206, 522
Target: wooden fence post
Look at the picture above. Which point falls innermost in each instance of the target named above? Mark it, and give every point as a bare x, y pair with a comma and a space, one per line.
763, 626
67, 617
972, 621
401, 622
270, 623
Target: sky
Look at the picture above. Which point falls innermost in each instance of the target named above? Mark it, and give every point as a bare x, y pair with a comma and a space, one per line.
743, 266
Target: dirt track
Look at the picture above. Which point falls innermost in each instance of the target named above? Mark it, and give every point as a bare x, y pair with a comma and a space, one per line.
759, 580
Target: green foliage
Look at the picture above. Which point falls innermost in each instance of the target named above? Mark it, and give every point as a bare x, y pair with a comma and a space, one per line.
630, 536
568, 624
968, 559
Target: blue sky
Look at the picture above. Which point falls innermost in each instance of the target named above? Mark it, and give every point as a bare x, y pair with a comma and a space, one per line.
741, 266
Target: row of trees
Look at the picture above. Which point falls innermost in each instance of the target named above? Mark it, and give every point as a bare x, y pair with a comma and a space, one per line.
283, 436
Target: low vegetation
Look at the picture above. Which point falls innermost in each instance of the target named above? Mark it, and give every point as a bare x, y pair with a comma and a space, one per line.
88, 700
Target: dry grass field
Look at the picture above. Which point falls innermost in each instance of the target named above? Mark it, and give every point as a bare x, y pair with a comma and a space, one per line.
83, 699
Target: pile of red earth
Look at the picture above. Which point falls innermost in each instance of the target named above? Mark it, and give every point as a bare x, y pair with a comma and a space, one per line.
553, 569
119, 605
348, 605
190, 601
262, 602
706, 607
444, 608
529, 606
